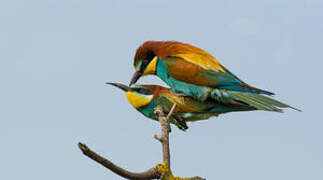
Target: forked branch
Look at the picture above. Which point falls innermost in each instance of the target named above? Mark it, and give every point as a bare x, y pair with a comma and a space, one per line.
160, 171
165, 129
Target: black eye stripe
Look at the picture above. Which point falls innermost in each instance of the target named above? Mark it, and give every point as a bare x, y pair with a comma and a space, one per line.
143, 91
146, 60
143, 65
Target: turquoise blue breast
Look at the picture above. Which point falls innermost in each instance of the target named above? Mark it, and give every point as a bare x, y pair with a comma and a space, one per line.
148, 110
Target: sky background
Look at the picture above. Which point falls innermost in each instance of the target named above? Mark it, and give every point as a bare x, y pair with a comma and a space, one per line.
56, 55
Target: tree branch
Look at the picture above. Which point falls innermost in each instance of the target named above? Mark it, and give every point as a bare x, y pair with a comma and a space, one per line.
165, 129
150, 174
160, 171
171, 111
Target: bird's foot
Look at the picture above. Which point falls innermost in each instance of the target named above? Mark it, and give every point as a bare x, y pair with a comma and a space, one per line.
180, 122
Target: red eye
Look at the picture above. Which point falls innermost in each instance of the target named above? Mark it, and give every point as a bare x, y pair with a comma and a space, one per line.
145, 61
144, 91
141, 91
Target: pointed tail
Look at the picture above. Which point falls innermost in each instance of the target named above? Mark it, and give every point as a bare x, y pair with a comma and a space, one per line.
258, 101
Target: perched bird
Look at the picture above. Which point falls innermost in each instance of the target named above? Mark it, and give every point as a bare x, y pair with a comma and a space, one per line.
191, 71
145, 98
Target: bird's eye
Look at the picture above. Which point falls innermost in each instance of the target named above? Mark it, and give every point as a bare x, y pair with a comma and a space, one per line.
144, 91
145, 61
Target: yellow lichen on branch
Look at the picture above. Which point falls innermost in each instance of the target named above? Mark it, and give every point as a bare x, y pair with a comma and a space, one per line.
166, 174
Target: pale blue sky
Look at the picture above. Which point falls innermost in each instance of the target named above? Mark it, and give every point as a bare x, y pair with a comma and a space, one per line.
56, 55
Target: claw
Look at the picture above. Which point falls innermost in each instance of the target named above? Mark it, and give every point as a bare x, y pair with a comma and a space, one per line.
180, 122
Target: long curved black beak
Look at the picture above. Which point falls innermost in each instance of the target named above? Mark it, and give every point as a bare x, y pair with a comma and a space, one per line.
121, 86
135, 77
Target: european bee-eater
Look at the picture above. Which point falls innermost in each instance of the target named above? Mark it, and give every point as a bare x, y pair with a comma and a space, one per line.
194, 72
145, 98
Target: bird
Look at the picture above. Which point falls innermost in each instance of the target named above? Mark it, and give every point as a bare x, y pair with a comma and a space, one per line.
191, 71
145, 98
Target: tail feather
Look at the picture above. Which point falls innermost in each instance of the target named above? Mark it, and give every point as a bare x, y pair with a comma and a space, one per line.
274, 102
259, 91
254, 102
258, 101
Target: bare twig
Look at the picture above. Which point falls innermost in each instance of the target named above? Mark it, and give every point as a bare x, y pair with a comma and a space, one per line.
150, 174
164, 137
161, 171
171, 111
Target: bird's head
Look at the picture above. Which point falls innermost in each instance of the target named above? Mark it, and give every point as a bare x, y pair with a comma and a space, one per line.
137, 95
150, 52
145, 63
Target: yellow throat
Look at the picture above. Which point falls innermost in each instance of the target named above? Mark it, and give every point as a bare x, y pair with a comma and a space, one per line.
137, 100
151, 68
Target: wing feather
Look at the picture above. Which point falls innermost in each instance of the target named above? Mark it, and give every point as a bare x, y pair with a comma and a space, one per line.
187, 71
